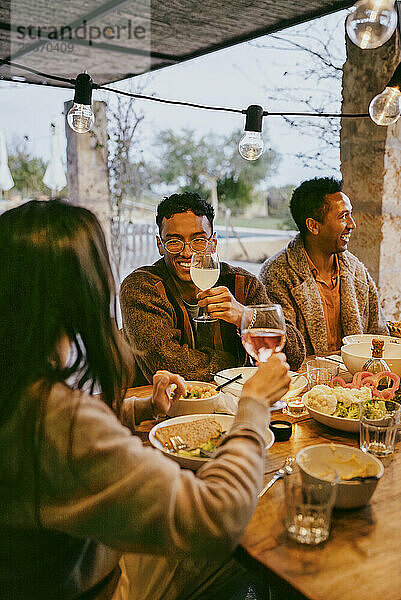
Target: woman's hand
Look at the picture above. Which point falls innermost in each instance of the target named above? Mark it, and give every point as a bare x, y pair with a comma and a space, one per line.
270, 382
161, 393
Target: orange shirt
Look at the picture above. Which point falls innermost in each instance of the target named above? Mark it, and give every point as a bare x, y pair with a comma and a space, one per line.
330, 297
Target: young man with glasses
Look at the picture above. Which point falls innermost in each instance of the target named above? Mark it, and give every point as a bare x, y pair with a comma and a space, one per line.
159, 302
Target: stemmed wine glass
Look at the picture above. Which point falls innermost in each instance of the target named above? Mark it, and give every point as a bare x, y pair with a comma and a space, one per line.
269, 336
205, 271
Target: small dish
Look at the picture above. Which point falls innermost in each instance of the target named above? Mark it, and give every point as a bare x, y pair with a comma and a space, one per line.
282, 430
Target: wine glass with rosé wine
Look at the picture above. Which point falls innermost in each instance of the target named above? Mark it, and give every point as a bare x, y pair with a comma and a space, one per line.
269, 334
205, 271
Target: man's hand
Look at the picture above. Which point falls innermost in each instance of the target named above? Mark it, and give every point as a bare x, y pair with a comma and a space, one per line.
221, 304
161, 393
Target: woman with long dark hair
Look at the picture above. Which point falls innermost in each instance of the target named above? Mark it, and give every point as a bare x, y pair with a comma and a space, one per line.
76, 487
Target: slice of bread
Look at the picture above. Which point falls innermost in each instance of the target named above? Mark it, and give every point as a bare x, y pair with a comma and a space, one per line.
192, 433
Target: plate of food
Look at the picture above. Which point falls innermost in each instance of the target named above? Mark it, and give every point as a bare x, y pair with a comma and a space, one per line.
201, 397
296, 388
198, 432
338, 407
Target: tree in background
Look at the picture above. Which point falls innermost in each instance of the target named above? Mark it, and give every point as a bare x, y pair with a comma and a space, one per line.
278, 205
129, 174
212, 166
311, 84
27, 171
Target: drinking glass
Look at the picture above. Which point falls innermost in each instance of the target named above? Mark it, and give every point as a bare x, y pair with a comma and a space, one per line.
269, 336
205, 271
308, 508
320, 372
378, 435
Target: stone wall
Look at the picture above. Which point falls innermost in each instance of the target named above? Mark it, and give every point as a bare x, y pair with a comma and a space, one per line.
371, 169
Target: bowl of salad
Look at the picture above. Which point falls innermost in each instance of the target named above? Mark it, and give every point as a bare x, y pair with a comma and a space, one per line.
338, 407
201, 398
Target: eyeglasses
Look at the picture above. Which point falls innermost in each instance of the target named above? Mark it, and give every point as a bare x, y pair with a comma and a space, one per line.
175, 246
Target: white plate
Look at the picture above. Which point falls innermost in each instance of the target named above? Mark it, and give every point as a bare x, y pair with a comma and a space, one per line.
340, 423
226, 421
236, 388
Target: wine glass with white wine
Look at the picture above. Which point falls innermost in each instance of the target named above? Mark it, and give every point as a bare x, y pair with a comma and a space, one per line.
205, 271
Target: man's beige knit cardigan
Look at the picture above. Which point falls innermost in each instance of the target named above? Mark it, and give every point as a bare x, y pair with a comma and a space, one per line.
289, 281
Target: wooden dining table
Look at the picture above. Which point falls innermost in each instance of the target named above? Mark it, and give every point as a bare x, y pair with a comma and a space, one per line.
362, 557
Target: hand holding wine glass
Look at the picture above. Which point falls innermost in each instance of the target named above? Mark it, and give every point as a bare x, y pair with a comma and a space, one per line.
268, 336
205, 271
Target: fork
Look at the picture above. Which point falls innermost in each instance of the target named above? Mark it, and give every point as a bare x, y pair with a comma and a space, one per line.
178, 444
285, 470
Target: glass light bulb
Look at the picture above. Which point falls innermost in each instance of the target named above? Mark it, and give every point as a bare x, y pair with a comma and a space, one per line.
385, 108
371, 23
251, 145
80, 118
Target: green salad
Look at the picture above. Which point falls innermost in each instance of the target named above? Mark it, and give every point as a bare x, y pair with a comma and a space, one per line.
376, 410
209, 446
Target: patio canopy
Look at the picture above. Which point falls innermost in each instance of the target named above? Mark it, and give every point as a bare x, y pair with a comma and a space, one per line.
118, 39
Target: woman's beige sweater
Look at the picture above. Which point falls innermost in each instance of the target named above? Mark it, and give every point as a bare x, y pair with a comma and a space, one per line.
101, 492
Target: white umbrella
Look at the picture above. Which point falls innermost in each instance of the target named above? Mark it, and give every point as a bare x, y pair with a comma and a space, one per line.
55, 178
6, 180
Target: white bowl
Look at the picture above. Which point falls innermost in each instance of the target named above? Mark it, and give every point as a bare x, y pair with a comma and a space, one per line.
235, 388
368, 337
226, 422
356, 355
194, 406
340, 423
317, 461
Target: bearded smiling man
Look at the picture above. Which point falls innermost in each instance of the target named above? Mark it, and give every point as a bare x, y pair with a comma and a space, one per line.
160, 301
323, 289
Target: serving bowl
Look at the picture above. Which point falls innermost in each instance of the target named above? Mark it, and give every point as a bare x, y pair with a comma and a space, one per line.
356, 355
340, 423
322, 461
195, 406
368, 337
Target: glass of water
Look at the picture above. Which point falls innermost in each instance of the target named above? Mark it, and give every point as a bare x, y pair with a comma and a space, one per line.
309, 505
378, 432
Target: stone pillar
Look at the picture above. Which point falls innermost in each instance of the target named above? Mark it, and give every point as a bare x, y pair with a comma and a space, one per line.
87, 168
371, 169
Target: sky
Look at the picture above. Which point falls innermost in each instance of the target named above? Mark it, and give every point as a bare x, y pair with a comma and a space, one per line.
234, 77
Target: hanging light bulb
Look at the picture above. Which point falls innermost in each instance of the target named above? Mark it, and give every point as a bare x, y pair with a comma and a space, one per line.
385, 108
371, 23
251, 145
80, 117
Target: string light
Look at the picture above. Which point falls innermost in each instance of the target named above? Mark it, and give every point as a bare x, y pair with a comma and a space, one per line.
385, 108
251, 145
80, 117
371, 23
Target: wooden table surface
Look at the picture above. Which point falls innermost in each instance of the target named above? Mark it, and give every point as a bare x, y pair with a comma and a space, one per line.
362, 557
